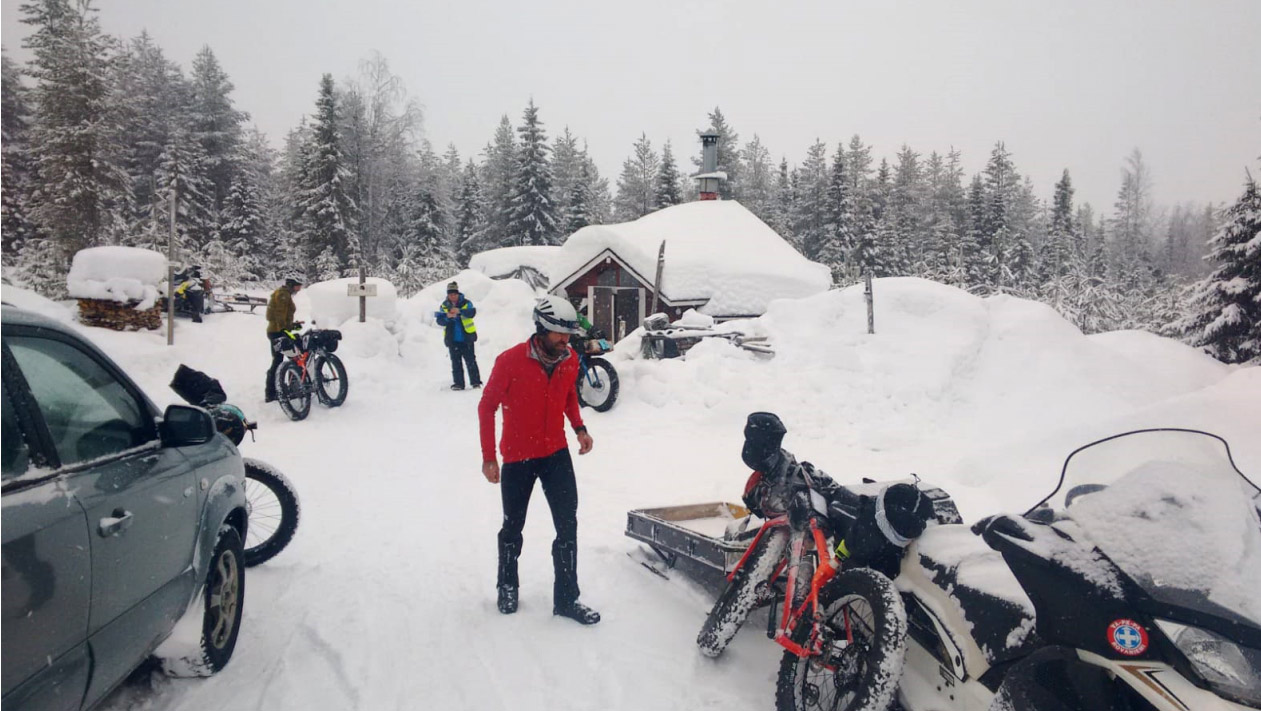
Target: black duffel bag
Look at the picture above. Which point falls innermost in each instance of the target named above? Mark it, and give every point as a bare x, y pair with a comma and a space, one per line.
325, 340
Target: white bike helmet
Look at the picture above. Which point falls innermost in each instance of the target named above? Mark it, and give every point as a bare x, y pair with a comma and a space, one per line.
555, 313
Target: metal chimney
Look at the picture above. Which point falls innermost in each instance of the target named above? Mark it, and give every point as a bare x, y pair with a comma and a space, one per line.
710, 177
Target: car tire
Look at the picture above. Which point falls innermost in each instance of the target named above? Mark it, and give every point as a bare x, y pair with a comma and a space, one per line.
203, 640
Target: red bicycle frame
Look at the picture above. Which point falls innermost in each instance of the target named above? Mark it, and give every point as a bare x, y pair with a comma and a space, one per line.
827, 568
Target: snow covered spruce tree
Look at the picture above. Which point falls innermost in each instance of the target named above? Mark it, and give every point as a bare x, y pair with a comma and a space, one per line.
330, 243
216, 125
837, 249
244, 225
810, 215
533, 218
1225, 316
471, 232
181, 175
757, 191
80, 195
667, 190
636, 187
15, 166
499, 177
566, 164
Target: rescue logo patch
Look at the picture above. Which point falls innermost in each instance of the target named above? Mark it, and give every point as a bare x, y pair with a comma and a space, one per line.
1127, 637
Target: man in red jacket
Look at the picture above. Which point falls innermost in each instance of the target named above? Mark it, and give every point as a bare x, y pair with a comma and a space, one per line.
535, 382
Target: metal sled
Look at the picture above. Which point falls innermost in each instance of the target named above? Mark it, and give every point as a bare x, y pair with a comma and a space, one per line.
690, 538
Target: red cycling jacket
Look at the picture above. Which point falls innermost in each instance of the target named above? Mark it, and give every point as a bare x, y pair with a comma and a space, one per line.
535, 406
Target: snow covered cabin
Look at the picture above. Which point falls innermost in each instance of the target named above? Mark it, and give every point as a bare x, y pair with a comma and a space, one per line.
720, 259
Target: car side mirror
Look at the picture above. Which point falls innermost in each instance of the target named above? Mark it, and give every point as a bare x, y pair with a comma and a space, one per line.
183, 426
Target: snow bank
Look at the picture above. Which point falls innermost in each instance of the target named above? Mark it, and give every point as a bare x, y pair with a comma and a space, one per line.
330, 306
506, 260
116, 274
715, 250
31, 301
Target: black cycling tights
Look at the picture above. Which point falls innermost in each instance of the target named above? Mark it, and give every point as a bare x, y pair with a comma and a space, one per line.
516, 484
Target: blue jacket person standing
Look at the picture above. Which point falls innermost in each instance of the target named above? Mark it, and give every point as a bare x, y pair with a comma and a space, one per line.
455, 314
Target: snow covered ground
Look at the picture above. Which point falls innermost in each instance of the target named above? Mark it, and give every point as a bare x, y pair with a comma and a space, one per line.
385, 599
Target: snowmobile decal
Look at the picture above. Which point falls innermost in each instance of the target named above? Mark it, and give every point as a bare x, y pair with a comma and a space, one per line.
1127, 637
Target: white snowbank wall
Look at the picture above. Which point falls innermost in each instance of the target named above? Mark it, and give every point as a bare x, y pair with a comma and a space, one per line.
116, 274
331, 306
506, 260
715, 250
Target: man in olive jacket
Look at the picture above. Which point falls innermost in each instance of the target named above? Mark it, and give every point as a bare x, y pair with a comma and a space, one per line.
280, 312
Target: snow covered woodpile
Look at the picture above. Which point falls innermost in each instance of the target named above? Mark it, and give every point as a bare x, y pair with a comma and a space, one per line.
719, 259
117, 287
331, 305
532, 264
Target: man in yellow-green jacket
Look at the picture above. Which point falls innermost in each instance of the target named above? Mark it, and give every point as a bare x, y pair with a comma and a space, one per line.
280, 312
455, 314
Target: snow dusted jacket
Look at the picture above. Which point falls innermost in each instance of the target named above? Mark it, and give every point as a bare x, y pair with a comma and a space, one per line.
535, 405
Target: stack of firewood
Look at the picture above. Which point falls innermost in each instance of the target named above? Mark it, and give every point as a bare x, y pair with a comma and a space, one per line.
118, 316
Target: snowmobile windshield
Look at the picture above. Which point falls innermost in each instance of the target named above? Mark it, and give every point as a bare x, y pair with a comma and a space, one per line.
1172, 511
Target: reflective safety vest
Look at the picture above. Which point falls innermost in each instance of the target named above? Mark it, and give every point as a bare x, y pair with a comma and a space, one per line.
466, 322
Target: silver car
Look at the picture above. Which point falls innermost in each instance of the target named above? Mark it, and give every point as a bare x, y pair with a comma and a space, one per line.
119, 523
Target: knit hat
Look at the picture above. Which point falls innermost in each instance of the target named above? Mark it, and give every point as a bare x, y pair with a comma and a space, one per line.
453, 287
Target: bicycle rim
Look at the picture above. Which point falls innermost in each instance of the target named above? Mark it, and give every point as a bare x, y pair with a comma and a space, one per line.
829, 678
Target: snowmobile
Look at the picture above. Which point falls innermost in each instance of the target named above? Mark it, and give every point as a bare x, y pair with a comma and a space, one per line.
1135, 584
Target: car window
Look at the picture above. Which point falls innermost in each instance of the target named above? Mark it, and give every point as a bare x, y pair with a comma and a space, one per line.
89, 414
14, 456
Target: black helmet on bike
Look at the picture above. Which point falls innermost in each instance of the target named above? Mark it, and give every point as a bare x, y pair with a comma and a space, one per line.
763, 434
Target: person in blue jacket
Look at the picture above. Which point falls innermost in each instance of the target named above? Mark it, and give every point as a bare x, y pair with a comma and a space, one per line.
455, 314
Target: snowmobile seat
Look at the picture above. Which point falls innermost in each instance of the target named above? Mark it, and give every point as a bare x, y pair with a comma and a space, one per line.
958, 576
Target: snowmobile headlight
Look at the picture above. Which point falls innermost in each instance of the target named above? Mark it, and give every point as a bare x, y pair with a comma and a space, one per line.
1231, 670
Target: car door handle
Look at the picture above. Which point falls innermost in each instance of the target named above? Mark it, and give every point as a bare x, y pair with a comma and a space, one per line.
115, 524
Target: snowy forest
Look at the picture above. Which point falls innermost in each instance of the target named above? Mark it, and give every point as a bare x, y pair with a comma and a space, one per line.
102, 134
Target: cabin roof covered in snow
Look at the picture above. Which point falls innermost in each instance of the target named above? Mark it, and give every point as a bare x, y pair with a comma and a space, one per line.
716, 251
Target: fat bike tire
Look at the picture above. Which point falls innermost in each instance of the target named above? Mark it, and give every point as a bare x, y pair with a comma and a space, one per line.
293, 395
331, 384
273, 512
601, 394
864, 674
749, 586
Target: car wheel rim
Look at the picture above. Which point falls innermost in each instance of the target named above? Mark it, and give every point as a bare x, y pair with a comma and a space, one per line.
224, 598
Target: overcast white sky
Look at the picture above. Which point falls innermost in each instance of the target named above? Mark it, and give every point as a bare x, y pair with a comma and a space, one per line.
1071, 84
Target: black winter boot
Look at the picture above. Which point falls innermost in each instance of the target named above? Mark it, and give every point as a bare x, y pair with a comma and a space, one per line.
565, 564
507, 599
578, 612
509, 551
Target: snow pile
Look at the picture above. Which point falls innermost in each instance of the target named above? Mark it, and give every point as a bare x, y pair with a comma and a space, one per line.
942, 365
122, 274
1177, 527
716, 251
330, 306
31, 301
505, 261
